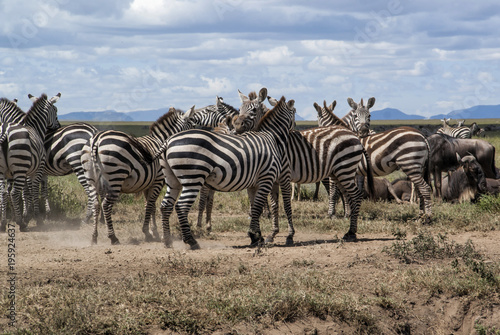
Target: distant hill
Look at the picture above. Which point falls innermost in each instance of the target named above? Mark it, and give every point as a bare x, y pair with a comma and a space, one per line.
393, 114
108, 115
475, 112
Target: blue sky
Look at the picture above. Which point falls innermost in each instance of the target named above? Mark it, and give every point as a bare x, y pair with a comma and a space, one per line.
422, 57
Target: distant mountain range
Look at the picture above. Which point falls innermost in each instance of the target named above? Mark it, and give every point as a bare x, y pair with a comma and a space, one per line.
476, 112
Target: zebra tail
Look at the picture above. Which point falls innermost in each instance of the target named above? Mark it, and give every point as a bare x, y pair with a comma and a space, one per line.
369, 176
102, 185
427, 170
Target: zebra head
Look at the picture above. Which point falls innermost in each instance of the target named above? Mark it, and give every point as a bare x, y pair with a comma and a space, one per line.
360, 116
326, 117
52, 120
251, 111
212, 115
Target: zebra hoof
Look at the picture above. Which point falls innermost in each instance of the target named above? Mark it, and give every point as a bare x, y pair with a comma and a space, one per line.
193, 245
23, 228
149, 238
289, 240
269, 239
350, 237
94, 240
255, 238
426, 220
114, 240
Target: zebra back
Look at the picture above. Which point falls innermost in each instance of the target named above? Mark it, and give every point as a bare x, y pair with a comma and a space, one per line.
172, 122
10, 111
457, 132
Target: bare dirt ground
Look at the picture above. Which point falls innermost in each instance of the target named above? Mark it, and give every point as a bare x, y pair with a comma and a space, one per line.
45, 256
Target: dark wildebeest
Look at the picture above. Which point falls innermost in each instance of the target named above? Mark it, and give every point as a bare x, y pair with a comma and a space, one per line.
492, 186
402, 188
443, 156
465, 183
383, 190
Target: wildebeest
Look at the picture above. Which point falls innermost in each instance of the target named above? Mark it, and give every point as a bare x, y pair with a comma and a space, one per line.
383, 190
492, 186
443, 156
465, 183
402, 188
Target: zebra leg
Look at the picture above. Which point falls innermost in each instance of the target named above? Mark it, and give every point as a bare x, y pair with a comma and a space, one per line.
333, 197
151, 195
352, 197
287, 204
316, 191
182, 207
27, 201
210, 205
424, 192
275, 213
107, 207
45, 194
202, 204
35, 194
15, 195
260, 198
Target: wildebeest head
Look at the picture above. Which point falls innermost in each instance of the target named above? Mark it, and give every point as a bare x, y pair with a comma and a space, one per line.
474, 171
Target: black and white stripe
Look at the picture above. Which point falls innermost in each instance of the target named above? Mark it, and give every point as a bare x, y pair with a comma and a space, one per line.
115, 162
315, 154
23, 154
228, 163
458, 131
402, 148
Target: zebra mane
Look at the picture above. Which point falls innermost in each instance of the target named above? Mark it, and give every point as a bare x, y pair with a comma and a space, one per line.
252, 95
269, 114
172, 112
30, 119
15, 108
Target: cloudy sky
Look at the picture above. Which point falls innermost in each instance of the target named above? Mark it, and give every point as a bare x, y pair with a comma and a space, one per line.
423, 57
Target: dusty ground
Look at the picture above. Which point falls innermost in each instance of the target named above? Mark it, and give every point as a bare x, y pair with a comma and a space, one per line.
45, 256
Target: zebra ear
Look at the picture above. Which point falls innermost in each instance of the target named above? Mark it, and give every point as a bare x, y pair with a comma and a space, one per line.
371, 102
262, 94
317, 107
219, 100
361, 103
272, 101
190, 113
55, 98
14, 101
32, 98
243, 97
291, 104
352, 103
332, 106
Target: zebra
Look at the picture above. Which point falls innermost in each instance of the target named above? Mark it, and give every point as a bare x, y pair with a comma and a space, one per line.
23, 154
403, 147
115, 162
228, 163
213, 115
315, 155
63, 147
458, 132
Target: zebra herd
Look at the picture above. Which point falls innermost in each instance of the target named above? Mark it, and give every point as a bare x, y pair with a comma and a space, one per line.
215, 148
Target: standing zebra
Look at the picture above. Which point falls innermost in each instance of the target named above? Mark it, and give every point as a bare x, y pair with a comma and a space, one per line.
115, 162
23, 154
404, 147
228, 163
63, 147
458, 132
315, 154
